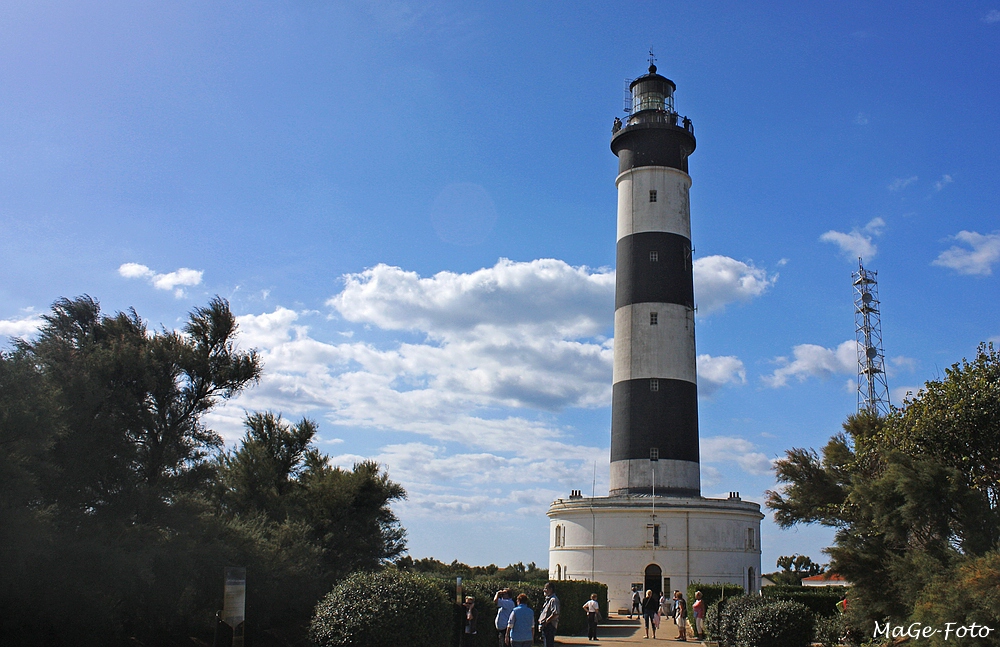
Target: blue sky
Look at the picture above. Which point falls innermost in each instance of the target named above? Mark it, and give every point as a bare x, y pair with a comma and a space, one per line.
412, 208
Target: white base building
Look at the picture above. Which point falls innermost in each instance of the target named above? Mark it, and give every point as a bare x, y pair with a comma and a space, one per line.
659, 544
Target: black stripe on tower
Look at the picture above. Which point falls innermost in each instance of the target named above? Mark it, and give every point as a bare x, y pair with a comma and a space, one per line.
666, 418
652, 144
641, 279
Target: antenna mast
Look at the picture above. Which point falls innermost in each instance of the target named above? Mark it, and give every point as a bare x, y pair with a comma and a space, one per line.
873, 391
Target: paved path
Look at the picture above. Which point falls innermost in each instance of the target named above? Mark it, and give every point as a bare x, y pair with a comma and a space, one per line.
619, 629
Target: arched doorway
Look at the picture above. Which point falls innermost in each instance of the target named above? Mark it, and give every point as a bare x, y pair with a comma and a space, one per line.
654, 580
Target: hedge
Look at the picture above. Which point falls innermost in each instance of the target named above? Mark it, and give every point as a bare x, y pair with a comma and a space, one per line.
821, 600
572, 595
383, 609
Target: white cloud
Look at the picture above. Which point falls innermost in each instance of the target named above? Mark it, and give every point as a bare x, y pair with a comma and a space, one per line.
718, 449
983, 252
544, 296
943, 182
529, 336
20, 327
135, 271
901, 183
269, 330
168, 281
861, 119
810, 360
903, 363
992, 17
720, 280
466, 375
714, 372
505, 486
857, 243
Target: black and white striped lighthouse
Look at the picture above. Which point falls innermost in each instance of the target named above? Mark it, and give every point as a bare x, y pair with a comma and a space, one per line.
655, 401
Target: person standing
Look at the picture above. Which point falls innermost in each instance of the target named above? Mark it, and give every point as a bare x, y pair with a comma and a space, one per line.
504, 606
470, 620
593, 610
680, 616
636, 603
650, 607
521, 624
548, 618
698, 609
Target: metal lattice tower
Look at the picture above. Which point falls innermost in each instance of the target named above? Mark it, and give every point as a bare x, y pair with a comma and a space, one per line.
873, 391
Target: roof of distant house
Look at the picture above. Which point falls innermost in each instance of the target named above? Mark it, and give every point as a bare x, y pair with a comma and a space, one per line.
825, 579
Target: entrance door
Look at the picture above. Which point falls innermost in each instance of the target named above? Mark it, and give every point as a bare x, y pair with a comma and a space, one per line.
654, 580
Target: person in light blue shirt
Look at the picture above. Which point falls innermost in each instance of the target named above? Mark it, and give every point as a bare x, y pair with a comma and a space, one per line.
521, 624
504, 606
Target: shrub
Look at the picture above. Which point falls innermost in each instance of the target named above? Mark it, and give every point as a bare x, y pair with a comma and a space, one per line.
383, 609
730, 614
778, 623
712, 619
828, 631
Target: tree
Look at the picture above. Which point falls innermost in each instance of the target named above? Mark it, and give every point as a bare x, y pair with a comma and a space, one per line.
106, 460
278, 473
133, 403
794, 568
912, 495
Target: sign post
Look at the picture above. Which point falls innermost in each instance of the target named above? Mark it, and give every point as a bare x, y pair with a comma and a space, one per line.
234, 602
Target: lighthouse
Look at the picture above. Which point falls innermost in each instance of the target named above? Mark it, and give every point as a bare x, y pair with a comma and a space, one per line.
654, 412
654, 530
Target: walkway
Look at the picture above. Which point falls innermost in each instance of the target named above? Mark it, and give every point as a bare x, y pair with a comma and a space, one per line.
619, 629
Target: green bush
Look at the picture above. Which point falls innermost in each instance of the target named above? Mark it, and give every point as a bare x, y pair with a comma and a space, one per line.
829, 630
730, 614
775, 623
385, 609
712, 619
821, 600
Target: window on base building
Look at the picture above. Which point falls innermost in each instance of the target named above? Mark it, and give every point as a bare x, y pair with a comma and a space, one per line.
750, 539
652, 534
652, 195
653, 317
654, 384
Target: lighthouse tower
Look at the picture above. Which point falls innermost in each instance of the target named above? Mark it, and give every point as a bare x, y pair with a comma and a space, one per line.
655, 530
655, 401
